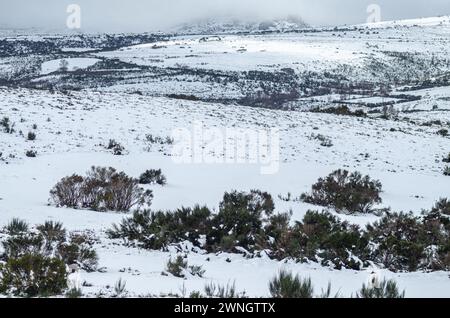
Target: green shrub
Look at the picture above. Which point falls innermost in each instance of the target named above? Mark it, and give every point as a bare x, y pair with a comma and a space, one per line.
33, 275
31, 153
74, 293
447, 171
16, 227
31, 136
286, 285
52, 231
116, 147
152, 177
386, 289
50, 240
400, 240
7, 126
103, 189
446, 159
225, 292
345, 191
321, 236
239, 220
156, 230
177, 267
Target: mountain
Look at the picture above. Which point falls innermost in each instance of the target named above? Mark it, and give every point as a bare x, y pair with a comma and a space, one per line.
228, 25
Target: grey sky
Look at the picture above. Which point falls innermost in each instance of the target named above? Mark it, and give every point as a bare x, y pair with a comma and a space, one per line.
141, 15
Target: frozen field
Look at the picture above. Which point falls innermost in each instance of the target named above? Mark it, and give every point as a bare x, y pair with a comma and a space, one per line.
127, 92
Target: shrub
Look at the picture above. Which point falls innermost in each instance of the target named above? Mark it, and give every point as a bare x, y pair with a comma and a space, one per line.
400, 241
33, 275
103, 189
31, 136
50, 240
447, 171
286, 285
52, 231
74, 293
119, 288
321, 236
386, 289
239, 221
158, 140
116, 147
31, 153
446, 159
152, 177
324, 140
341, 110
437, 226
177, 267
196, 270
7, 126
156, 230
345, 191
78, 250
16, 227
443, 132
218, 291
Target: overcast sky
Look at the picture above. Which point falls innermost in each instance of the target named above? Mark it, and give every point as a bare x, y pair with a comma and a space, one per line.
143, 15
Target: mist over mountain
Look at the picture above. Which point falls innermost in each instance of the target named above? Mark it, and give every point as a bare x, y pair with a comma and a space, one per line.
152, 15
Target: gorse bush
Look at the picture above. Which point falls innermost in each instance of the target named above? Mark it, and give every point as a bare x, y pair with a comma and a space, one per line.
16, 226
239, 220
157, 230
238, 223
218, 291
7, 126
177, 266
153, 177
447, 171
320, 236
286, 285
345, 191
33, 275
51, 240
31, 136
103, 189
245, 223
386, 289
400, 241
116, 147
446, 159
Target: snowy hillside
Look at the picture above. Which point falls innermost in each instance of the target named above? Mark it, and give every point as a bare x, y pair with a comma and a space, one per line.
372, 98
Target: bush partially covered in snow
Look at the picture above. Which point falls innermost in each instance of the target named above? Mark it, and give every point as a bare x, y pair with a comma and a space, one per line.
345, 191
50, 239
239, 220
383, 289
33, 275
287, 285
157, 230
404, 242
319, 237
35, 260
102, 189
152, 176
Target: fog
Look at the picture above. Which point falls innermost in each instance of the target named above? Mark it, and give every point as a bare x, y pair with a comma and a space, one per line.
151, 15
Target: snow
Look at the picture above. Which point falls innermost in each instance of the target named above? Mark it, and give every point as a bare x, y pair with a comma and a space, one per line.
73, 129
70, 143
73, 64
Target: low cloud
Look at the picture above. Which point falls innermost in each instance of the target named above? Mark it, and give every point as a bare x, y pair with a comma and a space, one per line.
149, 15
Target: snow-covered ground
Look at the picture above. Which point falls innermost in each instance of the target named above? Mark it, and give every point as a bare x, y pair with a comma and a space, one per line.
72, 129
72, 64
70, 132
